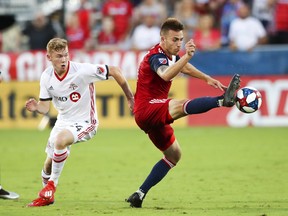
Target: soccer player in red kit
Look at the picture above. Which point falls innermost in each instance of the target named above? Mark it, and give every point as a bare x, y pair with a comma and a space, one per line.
154, 111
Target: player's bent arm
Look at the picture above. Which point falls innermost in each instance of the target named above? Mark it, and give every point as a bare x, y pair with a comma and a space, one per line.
40, 106
167, 73
116, 73
192, 71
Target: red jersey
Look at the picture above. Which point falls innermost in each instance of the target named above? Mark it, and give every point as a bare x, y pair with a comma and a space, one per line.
150, 86
76, 37
121, 11
281, 18
206, 42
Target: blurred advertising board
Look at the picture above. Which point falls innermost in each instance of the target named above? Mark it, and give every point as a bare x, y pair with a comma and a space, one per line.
28, 66
113, 111
273, 112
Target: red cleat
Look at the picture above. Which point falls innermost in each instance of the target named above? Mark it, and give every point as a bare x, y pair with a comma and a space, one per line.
48, 191
41, 202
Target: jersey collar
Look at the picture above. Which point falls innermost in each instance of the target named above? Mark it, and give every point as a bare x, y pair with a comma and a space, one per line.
63, 77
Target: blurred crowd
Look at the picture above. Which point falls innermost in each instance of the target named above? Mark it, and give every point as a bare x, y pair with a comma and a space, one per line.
135, 25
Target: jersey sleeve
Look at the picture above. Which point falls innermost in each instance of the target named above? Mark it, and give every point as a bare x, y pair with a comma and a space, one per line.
44, 93
158, 60
96, 72
102, 72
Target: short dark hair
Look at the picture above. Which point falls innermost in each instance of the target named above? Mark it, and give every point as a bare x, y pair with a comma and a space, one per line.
171, 24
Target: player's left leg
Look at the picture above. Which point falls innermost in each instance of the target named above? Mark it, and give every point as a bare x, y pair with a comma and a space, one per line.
164, 140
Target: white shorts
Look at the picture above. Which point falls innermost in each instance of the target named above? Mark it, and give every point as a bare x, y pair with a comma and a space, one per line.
82, 131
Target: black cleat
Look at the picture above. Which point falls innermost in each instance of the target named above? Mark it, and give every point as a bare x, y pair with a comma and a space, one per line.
7, 194
135, 200
229, 95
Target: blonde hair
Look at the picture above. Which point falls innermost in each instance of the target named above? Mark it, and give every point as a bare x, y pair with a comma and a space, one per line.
56, 44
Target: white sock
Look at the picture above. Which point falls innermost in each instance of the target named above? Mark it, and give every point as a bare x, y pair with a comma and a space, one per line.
220, 102
45, 178
59, 158
141, 194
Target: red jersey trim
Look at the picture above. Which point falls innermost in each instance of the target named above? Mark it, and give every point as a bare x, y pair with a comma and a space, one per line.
63, 77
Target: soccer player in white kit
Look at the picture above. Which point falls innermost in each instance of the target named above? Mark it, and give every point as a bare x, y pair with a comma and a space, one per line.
70, 87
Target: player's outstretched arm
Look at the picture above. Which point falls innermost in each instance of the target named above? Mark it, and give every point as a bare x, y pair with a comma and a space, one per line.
192, 71
40, 106
116, 73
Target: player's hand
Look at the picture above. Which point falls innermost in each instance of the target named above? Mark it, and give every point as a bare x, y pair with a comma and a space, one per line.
190, 48
215, 83
131, 104
31, 105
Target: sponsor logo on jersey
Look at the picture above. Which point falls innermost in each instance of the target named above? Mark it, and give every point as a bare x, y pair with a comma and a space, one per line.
62, 98
75, 96
160, 50
100, 70
73, 86
156, 101
162, 60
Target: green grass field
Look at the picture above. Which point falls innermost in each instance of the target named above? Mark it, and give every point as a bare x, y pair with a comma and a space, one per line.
223, 172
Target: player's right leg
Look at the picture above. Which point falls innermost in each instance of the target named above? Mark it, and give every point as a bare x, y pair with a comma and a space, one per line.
40, 201
46, 195
181, 108
60, 153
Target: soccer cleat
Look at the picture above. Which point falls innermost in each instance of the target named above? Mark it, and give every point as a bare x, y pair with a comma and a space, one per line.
135, 200
8, 195
48, 191
41, 202
229, 95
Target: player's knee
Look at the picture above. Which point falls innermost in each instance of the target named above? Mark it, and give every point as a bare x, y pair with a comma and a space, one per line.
61, 142
176, 109
63, 139
175, 157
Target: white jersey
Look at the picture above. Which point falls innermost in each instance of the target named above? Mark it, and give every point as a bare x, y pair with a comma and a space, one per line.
73, 95
246, 32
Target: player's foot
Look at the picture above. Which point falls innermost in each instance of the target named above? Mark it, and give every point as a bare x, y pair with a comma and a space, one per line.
48, 191
229, 95
41, 202
8, 195
135, 200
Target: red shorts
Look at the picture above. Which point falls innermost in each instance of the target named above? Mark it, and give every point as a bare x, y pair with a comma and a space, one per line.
153, 117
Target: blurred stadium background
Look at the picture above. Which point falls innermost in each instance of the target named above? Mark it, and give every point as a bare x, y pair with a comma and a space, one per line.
254, 170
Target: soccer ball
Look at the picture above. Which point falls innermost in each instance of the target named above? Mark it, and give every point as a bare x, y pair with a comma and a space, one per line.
248, 99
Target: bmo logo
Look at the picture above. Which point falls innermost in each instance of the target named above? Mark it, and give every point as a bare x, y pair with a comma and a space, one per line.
75, 96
